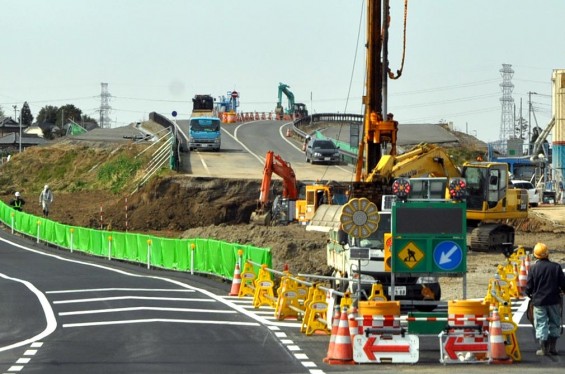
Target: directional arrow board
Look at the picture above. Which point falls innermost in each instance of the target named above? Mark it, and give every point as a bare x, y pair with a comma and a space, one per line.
448, 255
386, 348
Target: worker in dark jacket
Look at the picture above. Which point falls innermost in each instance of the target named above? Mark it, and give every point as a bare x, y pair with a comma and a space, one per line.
546, 281
17, 202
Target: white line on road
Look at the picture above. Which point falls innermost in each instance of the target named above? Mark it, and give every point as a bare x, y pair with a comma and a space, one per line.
153, 320
130, 298
114, 310
122, 289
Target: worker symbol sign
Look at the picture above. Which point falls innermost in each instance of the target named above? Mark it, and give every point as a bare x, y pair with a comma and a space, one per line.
411, 255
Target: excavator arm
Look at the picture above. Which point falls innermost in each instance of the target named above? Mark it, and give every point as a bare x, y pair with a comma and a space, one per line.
274, 164
422, 160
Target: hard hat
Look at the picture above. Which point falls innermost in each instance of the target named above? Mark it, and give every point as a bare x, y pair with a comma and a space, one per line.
17, 194
541, 251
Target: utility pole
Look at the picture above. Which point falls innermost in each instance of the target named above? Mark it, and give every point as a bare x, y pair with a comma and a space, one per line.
20, 133
530, 120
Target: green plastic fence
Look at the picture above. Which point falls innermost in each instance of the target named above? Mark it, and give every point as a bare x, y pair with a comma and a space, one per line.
204, 255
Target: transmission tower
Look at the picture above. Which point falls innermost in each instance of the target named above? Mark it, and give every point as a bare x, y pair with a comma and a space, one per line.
105, 107
507, 117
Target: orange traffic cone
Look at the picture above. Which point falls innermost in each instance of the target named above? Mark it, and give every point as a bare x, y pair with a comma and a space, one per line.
523, 277
343, 349
497, 349
236, 283
335, 325
527, 263
353, 323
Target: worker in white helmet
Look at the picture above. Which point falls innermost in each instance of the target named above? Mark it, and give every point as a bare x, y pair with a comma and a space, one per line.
45, 199
545, 283
17, 202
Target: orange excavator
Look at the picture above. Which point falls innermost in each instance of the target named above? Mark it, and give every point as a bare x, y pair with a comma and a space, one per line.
264, 212
298, 201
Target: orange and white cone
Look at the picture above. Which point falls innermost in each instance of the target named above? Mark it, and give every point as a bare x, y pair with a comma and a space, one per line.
236, 283
335, 325
497, 348
527, 263
523, 277
353, 323
343, 349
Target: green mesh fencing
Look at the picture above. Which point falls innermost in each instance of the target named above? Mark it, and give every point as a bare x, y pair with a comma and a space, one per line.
199, 255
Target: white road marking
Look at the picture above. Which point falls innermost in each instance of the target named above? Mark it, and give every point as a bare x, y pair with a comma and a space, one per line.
153, 320
47, 311
129, 298
30, 352
23, 360
15, 368
115, 310
120, 289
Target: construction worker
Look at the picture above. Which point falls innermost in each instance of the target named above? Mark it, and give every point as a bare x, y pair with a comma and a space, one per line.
45, 199
17, 202
545, 283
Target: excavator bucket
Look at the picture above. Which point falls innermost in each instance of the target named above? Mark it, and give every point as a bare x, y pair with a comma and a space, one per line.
260, 218
327, 217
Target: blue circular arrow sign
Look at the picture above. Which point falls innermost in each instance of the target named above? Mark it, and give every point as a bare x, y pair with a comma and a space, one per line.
448, 255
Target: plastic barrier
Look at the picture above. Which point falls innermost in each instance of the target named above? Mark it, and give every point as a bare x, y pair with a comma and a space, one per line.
466, 340
205, 256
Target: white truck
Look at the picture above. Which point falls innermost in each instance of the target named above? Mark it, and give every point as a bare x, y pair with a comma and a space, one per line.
377, 267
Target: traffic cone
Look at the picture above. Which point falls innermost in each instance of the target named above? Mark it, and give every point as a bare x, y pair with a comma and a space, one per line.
288, 133
335, 325
497, 349
523, 277
527, 262
343, 350
353, 323
236, 283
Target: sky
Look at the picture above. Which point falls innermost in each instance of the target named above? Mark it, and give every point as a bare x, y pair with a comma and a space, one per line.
156, 55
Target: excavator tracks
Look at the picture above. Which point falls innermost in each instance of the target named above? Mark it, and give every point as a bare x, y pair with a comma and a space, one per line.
492, 237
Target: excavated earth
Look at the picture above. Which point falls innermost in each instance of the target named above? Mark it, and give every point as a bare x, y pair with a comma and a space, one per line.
188, 207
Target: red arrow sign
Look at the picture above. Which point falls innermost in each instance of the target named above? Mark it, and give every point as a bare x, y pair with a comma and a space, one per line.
451, 347
369, 348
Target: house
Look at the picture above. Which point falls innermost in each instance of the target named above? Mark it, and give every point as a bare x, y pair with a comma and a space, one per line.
8, 126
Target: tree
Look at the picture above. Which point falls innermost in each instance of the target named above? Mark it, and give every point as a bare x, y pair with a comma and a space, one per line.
87, 118
66, 113
25, 115
1, 112
47, 114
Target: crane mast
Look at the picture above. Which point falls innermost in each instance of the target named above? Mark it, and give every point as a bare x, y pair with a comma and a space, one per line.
379, 128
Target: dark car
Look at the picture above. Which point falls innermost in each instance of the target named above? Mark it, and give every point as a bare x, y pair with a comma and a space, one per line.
319, 150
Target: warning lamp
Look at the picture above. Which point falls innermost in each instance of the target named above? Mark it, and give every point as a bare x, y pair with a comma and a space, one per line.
457, 189
388, 251
401, 188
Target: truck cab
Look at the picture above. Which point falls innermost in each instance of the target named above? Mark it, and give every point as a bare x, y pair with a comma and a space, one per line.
204, 133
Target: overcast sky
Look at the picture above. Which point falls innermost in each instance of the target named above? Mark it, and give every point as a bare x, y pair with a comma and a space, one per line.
156, 55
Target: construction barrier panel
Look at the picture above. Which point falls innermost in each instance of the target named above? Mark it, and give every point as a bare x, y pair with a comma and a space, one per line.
208, 256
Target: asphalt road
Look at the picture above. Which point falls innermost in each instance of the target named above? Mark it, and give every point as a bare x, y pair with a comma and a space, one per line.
71, 313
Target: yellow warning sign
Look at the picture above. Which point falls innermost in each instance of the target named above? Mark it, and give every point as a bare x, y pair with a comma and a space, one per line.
411, 255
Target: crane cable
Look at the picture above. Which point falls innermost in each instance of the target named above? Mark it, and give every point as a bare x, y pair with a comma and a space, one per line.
399, 72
